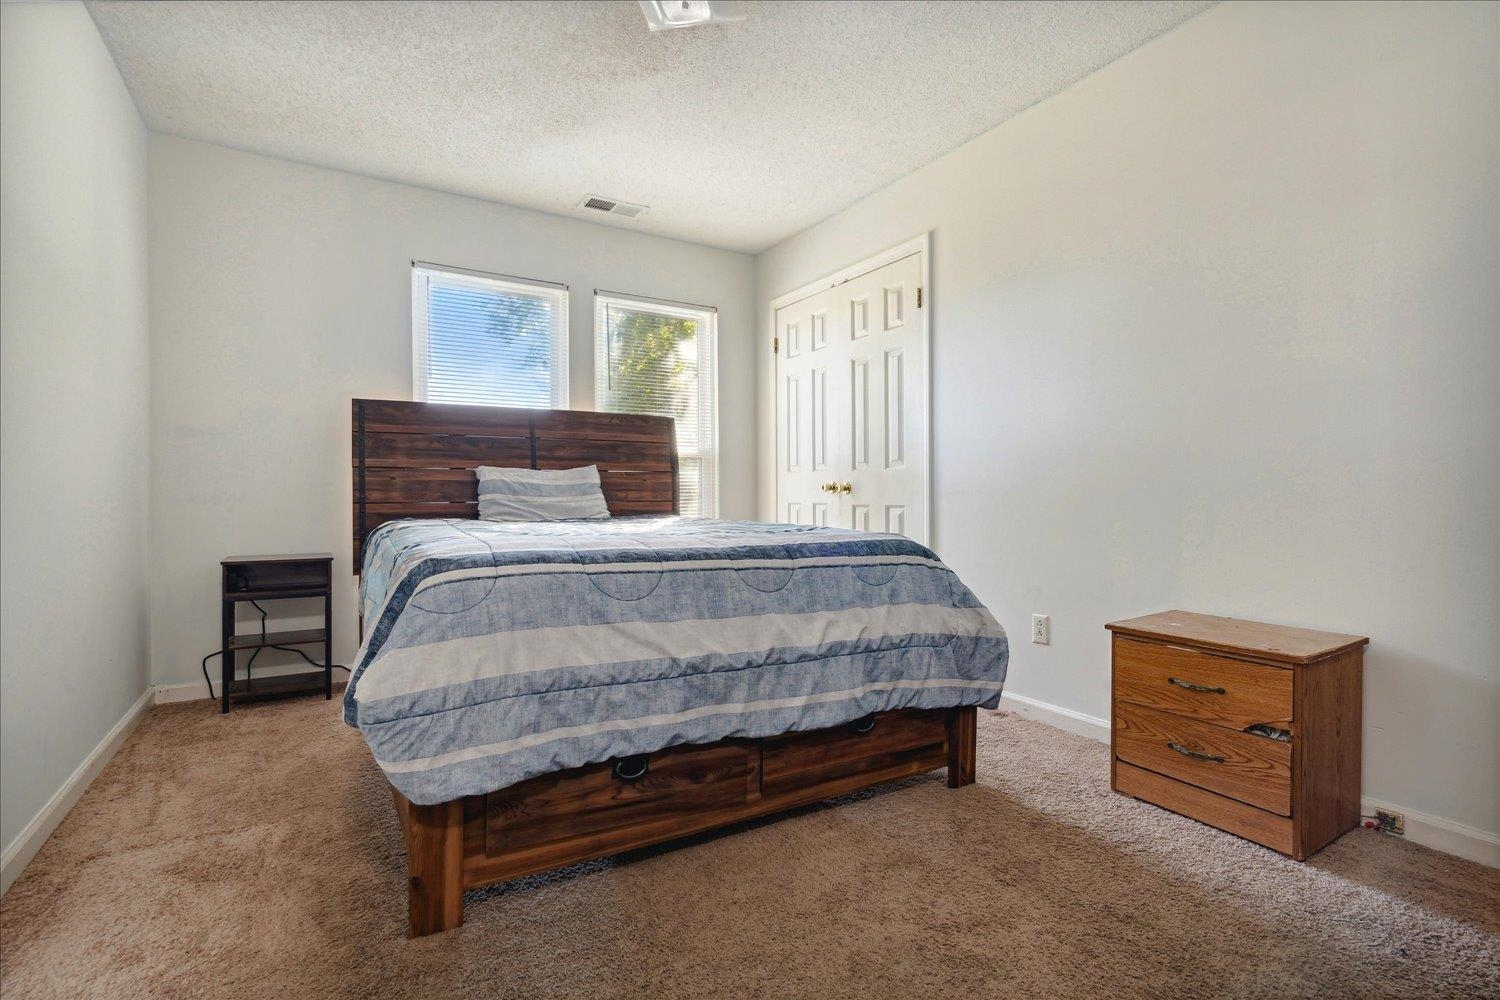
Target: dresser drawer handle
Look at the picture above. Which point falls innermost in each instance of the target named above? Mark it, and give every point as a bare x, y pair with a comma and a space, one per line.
863, 725
1189, 685
1195, 754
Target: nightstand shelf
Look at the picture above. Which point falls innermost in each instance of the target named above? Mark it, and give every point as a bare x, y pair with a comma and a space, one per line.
278, 686
296, 637
300, 576
283, 594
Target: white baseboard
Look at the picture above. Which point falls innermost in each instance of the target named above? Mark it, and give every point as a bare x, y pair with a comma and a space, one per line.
1436, 832
19, 852
167, 694
1440, 834
1056, 716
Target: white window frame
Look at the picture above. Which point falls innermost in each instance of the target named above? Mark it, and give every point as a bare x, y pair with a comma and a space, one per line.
421, 275
708, 377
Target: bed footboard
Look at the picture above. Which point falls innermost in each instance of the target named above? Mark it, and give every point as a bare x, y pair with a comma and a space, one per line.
603, 809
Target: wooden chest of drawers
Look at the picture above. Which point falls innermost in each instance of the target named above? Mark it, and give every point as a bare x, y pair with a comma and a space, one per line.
1252, 728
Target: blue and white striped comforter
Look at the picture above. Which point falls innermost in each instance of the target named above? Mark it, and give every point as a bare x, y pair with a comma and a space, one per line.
495, 652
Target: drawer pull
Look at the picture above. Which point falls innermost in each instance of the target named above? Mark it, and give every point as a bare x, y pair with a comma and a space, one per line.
1195, 754
632, 768
863, 725
1189, 685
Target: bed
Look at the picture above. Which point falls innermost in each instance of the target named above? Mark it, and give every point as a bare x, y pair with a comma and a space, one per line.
539, 694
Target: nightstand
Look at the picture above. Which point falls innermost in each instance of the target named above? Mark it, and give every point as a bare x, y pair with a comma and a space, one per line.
1252, 728
276, 578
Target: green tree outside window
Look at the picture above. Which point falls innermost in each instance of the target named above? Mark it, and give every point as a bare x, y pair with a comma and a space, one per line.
649, 370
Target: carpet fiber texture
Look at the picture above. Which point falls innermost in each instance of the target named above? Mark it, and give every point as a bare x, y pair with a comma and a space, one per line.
257, 855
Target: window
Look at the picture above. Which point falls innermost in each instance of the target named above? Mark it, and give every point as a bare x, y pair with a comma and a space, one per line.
658, 358
480, 338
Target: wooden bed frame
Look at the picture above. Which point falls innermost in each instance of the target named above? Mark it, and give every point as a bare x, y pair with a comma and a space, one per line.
418, 460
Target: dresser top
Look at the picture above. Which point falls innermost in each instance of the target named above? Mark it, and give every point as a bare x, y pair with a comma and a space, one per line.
1235, 635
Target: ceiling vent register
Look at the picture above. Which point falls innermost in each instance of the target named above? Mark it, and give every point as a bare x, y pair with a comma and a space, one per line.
623, 208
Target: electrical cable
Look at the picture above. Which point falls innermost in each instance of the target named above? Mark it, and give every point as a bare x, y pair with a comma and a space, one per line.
256, 652
204, 665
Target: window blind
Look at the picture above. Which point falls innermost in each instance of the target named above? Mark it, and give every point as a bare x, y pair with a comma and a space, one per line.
658, 358
488, 340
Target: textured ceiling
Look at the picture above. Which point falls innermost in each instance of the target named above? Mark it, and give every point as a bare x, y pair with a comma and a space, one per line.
736, 135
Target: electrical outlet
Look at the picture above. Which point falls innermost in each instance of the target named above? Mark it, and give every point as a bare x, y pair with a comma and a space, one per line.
1041, 629
1390, 822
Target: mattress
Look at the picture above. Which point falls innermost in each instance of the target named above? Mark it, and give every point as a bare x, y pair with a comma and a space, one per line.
495, 652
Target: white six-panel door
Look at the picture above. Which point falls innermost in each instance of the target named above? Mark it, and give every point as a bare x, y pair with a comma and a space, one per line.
851, 403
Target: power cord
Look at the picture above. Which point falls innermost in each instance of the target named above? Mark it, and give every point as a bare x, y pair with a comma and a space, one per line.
256, 652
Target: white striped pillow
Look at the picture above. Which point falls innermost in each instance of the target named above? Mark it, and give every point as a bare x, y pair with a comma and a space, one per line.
540, 494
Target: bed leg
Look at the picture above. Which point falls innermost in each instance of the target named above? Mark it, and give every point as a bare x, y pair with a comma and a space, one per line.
962, 735
434, 865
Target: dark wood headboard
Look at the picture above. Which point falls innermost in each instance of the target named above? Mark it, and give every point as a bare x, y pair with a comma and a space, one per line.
418, 459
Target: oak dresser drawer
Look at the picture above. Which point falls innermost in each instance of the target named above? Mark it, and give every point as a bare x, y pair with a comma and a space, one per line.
1253, 769
1200, 685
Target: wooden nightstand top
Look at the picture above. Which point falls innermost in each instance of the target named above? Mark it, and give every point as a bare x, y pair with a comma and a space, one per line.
292, 557
1235, 635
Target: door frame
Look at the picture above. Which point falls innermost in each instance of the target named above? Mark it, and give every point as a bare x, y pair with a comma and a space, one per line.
917, 244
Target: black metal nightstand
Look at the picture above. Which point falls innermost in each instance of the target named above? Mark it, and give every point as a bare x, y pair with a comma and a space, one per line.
276, 578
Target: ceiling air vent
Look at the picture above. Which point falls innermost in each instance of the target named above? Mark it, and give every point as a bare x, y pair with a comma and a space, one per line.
625, 208
664, 14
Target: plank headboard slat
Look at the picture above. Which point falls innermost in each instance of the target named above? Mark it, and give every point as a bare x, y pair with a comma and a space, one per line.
418, 459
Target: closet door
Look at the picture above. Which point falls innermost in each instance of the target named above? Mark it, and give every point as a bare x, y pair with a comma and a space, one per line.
805, 411
851, 415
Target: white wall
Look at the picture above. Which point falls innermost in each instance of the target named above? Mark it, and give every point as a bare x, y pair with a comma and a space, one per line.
1218, 328
279, 291
73, 402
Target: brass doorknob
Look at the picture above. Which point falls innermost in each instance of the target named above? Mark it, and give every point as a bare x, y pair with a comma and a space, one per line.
829, 487
845, 488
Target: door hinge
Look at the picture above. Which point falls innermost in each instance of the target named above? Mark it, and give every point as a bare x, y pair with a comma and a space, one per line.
919, 296
775, 345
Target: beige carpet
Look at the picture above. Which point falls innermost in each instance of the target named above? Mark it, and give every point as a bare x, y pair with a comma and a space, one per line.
258, 856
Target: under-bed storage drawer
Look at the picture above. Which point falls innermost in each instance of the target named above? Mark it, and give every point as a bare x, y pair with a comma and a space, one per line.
593, 800
911, 739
